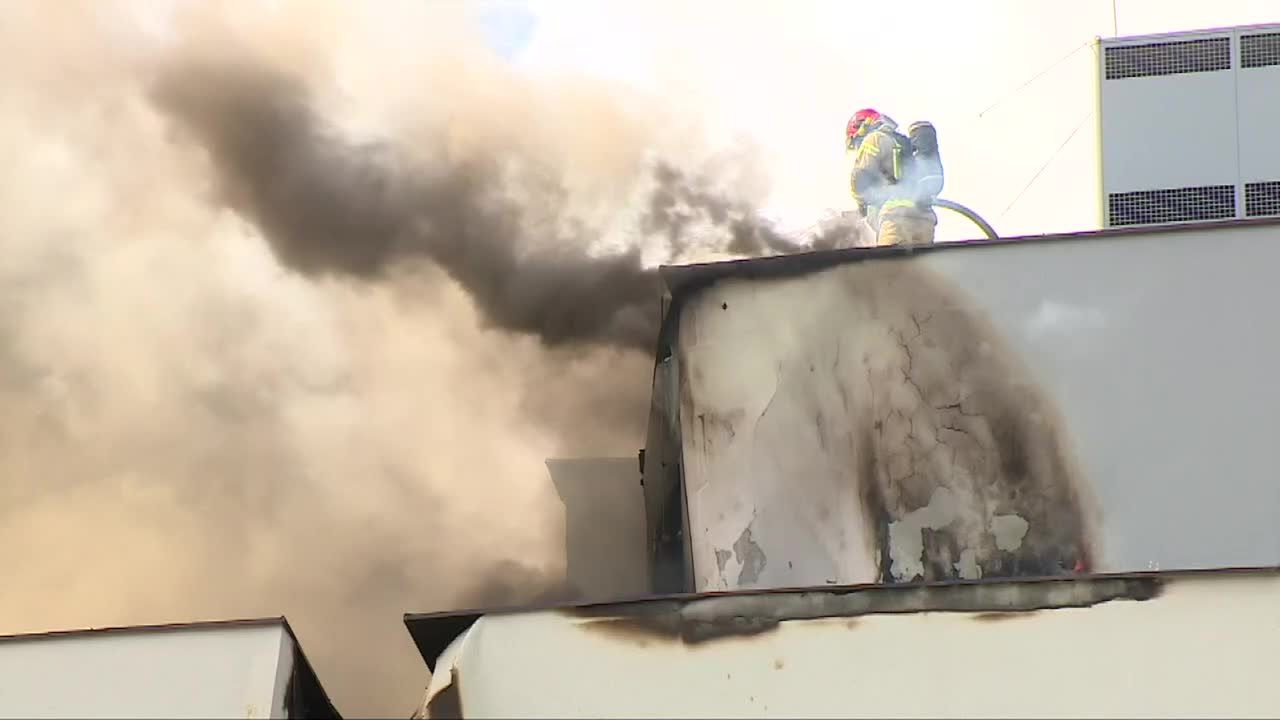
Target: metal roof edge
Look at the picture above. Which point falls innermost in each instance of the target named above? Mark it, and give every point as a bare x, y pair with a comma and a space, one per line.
155, 627
1251, 27
302, 665
681, 279
432, 632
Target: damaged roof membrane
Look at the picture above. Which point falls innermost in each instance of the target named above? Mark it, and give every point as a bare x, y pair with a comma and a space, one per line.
1136, 642
703, 617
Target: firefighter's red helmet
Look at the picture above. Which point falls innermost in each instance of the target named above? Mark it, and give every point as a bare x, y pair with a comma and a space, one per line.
859, 119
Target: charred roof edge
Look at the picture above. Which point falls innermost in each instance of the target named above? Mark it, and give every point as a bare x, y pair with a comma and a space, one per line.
433, 632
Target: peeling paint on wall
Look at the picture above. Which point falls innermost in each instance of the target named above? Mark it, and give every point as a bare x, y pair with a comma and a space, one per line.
866, 422
722, 557
1009, 531
907, 537
750, 556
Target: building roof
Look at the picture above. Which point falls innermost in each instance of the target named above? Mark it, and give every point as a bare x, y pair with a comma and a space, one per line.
157, 627
1254, 27
433, 632
310, 693
681, 279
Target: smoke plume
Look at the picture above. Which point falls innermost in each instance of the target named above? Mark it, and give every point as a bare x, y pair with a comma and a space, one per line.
331, 207
292, 311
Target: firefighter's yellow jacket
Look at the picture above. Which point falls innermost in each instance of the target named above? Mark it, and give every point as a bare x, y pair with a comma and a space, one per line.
879, 182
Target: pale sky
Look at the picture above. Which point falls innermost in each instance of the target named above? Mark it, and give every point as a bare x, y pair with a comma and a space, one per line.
788, 75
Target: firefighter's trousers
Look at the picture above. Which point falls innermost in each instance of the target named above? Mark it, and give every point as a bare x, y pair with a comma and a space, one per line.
904, 227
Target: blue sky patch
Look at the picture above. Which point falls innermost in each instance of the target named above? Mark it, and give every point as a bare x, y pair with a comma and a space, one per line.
507, 26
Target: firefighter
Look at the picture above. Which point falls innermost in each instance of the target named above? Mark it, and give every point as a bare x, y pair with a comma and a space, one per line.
894, 177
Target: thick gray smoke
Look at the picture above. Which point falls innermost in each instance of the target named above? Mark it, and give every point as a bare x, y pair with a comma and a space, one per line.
330, 206
253, 364
681, 203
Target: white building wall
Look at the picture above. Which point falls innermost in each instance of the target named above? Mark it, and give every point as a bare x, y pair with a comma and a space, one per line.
1205, 647
195, 672
1136, 369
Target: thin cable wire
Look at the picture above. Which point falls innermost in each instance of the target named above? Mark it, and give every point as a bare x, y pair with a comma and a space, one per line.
1046, 164
1037, 76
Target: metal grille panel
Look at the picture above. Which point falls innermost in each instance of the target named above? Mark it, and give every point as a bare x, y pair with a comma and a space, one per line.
1168, 58
1260, 50
1150, 207
1262, 199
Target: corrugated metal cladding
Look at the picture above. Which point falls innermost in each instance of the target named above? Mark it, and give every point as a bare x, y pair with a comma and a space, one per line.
1188, 126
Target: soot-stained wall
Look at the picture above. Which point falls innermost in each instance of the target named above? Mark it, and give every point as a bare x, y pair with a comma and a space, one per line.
863, 423
1025, 409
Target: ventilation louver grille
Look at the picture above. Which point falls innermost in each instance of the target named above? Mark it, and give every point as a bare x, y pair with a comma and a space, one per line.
1262, 199
1260, 50
1168, 58
1150, 207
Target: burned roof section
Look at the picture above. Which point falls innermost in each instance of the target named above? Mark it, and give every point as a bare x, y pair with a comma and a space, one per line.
703, 617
